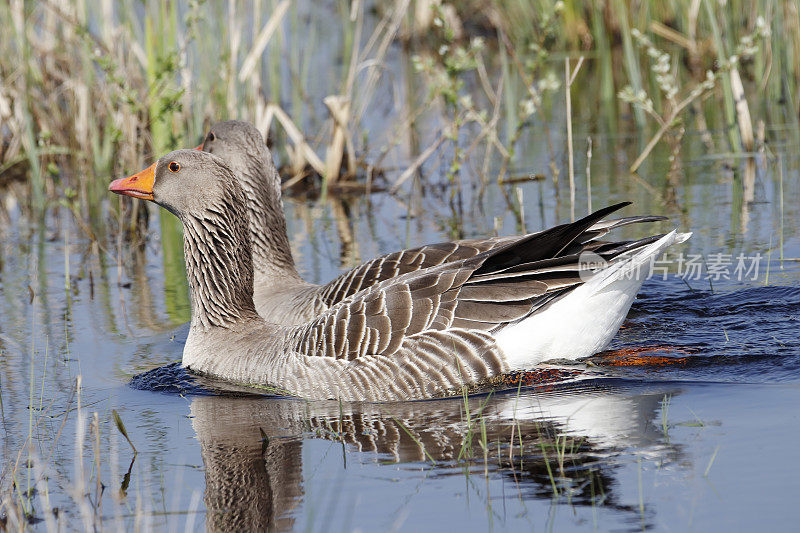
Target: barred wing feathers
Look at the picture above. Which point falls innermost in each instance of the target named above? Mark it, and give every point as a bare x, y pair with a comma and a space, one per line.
414, 259
403, 262
434, 327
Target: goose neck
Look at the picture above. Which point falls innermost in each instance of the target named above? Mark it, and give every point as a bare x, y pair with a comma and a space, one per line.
219, 268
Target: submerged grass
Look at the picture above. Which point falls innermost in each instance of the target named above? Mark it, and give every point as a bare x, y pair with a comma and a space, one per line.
44, 490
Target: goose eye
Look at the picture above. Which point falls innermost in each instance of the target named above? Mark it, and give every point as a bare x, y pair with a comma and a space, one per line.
174, 166
211, 137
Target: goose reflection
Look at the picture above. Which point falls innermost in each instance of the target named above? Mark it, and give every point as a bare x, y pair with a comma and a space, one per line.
545, 441
253, 461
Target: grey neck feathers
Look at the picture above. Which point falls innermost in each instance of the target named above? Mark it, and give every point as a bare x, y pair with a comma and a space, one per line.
218, 265
272, 254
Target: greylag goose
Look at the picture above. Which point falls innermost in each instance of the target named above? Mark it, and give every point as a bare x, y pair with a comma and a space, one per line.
423, 334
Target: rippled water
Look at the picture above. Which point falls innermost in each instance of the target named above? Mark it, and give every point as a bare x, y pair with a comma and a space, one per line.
687, 422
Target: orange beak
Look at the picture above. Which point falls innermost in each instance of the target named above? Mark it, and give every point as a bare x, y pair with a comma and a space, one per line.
140, 185
199, 147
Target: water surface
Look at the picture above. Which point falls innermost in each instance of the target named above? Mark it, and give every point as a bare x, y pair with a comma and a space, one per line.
694, 436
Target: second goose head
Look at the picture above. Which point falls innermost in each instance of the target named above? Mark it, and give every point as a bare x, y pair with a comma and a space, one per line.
241, 146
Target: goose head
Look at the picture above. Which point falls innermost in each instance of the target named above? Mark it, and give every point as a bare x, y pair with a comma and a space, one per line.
201, 190
242, 147
186, 182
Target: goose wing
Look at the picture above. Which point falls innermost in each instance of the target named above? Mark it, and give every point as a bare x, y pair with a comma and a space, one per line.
403, 262
396, 264
433, 327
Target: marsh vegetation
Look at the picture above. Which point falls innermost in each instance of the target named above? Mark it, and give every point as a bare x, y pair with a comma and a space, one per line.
395, 124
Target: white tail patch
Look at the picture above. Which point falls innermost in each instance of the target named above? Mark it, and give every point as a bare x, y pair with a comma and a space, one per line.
584, 321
